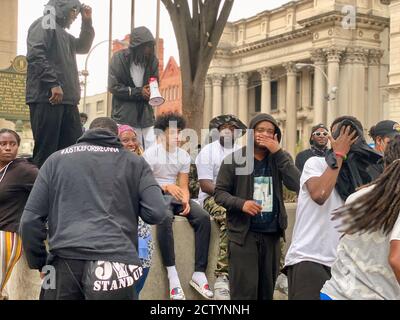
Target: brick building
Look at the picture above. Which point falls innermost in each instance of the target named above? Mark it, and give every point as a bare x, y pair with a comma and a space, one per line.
171, 88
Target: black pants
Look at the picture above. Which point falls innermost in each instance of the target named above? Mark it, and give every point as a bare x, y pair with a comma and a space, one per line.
54, 128
254, 267
199, 219
91, 280
306, 279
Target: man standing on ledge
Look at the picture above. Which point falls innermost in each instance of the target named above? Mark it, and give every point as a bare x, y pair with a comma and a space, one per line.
52, 84
128, 81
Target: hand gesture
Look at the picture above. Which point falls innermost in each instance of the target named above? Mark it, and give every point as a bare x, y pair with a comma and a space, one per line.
186, 208
146, 92
252, 208
271, 144
343, 143
86, 12
56, 95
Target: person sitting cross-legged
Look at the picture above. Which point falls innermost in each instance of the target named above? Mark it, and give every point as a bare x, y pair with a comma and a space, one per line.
171, 166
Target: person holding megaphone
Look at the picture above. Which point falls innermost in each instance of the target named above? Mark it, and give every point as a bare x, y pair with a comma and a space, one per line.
132, 74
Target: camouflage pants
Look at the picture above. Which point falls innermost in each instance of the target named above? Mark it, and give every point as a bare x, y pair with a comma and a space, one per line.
219, 215
282, 260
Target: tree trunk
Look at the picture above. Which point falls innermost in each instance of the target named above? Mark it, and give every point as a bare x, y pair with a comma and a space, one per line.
193, 107
197, 35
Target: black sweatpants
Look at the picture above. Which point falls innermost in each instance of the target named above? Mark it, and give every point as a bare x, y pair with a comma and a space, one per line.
54, 128
254, 266
199, 219
91, 280
306, 279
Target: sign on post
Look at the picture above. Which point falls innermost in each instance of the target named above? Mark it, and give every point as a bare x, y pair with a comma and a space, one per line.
12, 91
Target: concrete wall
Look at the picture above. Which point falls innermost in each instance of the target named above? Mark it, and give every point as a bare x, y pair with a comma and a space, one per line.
24, 283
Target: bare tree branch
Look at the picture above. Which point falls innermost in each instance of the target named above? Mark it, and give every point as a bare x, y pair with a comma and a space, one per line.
221, 22
181, 37
215, 36
197, 35
212, 8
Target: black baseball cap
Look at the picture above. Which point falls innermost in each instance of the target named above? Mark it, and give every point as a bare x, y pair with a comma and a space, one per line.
386, 128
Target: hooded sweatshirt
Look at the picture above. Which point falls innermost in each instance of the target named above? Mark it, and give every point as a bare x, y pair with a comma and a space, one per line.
91, 195
234, 188
52, 54
128, 105
362, 166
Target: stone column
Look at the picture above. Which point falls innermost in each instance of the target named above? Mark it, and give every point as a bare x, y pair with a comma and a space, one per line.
333, 55
291, 110
318, 56
374, 111
265, 90
243, 111
207, 111
394, 74
356, 59
8, 32
230, 105
217, 95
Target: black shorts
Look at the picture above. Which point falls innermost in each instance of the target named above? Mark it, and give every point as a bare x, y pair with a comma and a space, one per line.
69, 279
306, 279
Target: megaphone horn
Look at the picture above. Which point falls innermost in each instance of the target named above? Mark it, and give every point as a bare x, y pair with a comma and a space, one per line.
155, 96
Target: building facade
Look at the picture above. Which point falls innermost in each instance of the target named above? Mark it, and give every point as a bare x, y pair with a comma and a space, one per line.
95, 106
8, 52
305, 62
171, 88
8, 32
393, 87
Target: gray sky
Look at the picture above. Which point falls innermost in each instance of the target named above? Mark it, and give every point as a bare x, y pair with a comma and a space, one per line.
145, 14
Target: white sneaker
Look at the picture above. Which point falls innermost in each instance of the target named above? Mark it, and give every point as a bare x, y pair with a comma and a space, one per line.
204, 290
177, 294
221, 288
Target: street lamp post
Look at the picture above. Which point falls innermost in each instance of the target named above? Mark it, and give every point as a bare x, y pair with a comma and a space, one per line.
85, 72
331, 95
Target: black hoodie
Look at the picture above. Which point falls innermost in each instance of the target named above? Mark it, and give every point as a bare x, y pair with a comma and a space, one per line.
52, 55
128, 104
234, 188
91, 195
362, 166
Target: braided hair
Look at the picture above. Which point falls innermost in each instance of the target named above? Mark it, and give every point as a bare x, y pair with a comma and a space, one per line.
137, 54
379, 209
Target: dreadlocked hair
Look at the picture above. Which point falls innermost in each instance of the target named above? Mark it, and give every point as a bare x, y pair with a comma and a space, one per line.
378, 209
137, 54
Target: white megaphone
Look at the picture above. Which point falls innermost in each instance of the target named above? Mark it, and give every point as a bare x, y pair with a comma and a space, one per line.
155, 96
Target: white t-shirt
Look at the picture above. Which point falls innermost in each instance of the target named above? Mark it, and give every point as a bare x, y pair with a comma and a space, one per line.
361, 270
137, 74
167, 165
315, 237
209, 161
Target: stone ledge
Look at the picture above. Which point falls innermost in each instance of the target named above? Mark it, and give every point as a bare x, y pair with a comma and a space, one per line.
24, 283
